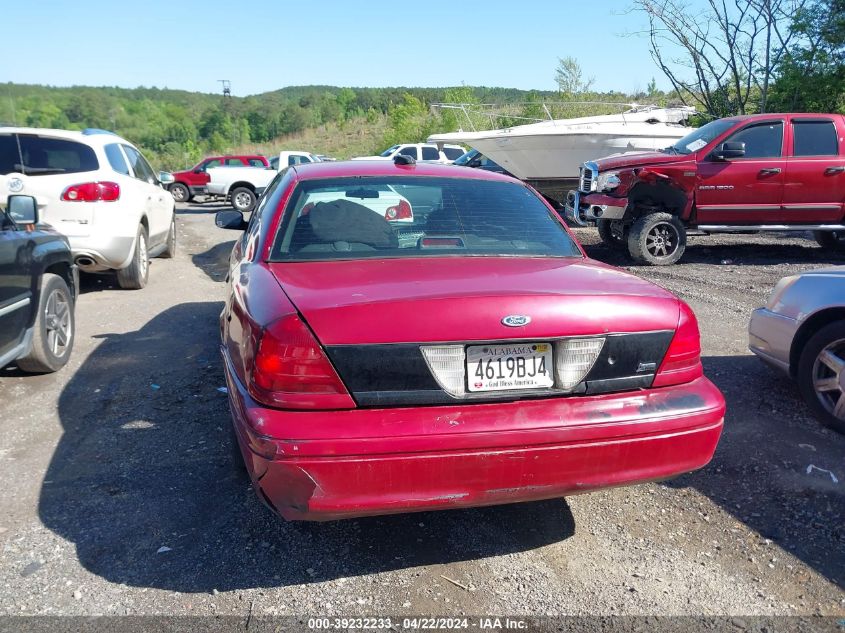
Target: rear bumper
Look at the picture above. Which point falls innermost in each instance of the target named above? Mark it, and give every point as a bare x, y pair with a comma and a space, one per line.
770, 336
331, 465
107, 251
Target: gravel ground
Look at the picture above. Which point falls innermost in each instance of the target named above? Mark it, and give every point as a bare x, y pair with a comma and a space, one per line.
122, 492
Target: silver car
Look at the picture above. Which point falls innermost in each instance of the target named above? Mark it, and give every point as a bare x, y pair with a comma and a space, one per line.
801, 330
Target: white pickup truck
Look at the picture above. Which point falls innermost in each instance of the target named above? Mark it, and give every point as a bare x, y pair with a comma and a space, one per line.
243, 185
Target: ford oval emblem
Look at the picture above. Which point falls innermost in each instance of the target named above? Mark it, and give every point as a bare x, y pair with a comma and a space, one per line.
15, 185
516, 320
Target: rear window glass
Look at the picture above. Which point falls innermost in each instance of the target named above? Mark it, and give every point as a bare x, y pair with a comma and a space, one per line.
256, 162
814, 138
42, 156
387, 217
430, 153
453, 152
116, 159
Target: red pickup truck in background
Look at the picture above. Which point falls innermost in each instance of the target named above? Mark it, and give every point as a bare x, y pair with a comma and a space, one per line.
777, 172
192, 182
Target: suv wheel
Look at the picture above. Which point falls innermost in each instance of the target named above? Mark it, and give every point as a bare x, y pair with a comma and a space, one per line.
180, 192
613, 233
243, 199
134, 276
833, 240
170, 249
821, 375
53, 334
658, 239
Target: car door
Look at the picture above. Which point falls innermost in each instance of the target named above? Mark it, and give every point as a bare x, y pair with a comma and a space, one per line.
814, 186
16, 300
200, 177
747, 190
157, 202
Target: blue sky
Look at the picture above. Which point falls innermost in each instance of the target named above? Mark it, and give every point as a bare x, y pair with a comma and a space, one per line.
263, 46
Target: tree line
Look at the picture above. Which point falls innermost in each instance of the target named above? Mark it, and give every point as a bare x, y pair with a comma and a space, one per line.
747, 56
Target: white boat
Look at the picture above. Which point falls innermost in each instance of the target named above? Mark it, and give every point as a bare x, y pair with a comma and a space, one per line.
554, 150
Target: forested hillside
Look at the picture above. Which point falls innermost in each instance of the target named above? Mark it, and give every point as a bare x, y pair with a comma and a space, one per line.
176, 127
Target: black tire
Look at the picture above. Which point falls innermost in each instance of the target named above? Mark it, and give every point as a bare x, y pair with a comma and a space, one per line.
181, 192
244, 199
828, 403
54, 332
657, 239
613, 233
831, 240
134, 276
169, 251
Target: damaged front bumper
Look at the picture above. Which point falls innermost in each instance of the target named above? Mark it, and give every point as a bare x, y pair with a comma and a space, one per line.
585, 208
325, 465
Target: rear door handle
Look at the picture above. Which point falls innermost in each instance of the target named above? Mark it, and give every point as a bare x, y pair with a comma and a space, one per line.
770, 171
834, 170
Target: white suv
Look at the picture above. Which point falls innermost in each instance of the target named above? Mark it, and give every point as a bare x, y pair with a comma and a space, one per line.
98, 190
421, 152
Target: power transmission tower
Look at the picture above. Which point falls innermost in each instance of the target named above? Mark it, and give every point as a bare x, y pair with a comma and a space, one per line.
227, 87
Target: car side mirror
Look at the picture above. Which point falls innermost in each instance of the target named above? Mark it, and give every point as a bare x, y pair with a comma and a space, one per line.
230, 219
166, 178
729, 150
23, 210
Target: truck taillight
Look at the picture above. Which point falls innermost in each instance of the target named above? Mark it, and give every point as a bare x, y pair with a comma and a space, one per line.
291, 370
682, 362
92, 192
401, 211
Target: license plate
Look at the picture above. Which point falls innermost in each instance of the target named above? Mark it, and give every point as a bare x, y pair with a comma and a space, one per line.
516, 366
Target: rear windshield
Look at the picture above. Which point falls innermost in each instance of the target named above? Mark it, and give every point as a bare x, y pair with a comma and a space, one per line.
388, 217
39, 155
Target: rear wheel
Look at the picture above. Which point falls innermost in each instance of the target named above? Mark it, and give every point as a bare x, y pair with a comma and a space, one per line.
613, 233
832, 240
243, 199
821, 375
170, 250
658, 239
134, 276
53, 335
180, 192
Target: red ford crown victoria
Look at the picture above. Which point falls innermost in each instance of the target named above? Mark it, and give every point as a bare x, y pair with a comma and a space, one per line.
473, 356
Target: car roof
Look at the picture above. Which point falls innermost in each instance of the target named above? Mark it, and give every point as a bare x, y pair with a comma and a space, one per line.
362, 168
782, 115
92, 137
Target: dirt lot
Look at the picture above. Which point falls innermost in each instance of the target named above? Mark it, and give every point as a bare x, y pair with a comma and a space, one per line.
122, 494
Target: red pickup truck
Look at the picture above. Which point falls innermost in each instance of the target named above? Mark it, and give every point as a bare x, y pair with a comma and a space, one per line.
192, 182
764, 172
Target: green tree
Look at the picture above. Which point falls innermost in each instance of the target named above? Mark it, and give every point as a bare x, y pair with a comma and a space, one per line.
812, 76
570, 78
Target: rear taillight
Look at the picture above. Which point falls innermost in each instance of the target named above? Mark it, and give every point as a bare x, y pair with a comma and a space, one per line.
401, 211
291, 370
682, 362
92, 192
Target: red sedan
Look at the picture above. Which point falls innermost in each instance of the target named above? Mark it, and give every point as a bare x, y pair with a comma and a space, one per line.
474, 356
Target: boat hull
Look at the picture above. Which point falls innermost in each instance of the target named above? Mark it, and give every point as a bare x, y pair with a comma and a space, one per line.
559, 156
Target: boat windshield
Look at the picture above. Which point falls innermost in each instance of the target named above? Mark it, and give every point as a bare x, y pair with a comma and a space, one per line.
701, 137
